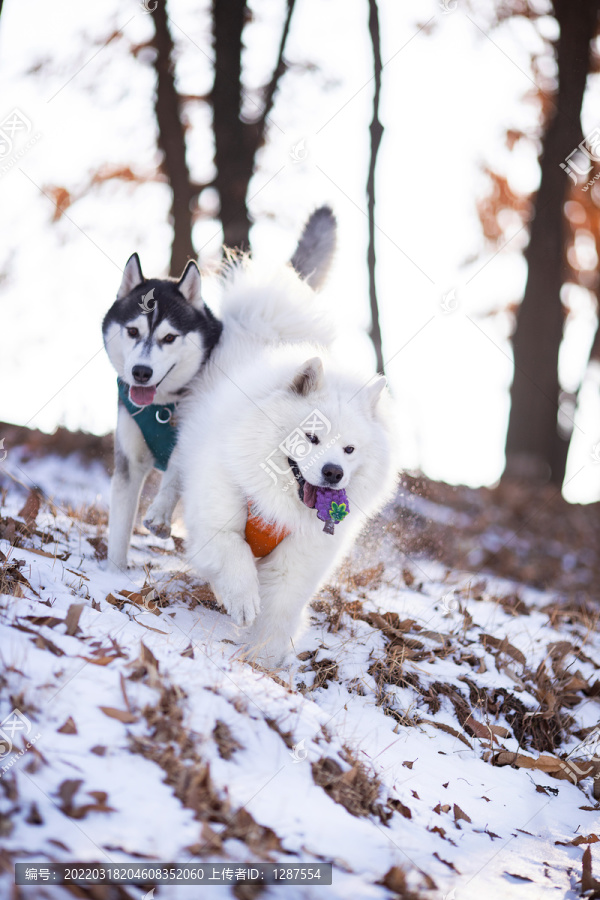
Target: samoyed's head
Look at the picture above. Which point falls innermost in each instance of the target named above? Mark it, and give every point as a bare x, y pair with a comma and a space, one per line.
328, 430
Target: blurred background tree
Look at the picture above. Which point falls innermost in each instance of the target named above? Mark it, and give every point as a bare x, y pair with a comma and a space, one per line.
237, 138
168, 126
559, 217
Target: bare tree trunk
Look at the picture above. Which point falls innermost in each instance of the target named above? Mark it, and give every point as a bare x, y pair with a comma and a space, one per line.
233, 155
171, 141
376, 130
534, 446
236, 141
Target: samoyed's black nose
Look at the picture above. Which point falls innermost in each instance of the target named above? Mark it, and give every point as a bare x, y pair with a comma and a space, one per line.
142, 374
331, 473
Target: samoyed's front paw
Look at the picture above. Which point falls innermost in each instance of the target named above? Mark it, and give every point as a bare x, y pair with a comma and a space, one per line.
158, 522
242, 607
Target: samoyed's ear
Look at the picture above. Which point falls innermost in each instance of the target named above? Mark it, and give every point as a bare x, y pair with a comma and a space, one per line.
308, 378
314, 253
132, 276
374, 390
189, 284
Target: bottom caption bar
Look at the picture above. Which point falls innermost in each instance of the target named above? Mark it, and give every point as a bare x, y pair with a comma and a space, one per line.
172, 873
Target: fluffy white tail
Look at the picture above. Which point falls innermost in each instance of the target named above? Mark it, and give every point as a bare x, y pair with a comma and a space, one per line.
276, 306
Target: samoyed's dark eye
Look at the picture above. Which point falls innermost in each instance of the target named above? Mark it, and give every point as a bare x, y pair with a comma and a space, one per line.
169, 338
313, 438
133, 332
349, 449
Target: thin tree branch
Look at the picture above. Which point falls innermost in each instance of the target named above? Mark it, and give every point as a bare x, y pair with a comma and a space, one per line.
376, 129
278, 72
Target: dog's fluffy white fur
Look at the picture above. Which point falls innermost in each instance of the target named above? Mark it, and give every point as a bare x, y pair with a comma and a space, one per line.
262, 382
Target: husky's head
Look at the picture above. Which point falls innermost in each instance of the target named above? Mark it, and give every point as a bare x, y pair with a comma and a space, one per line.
321, 428
158, 332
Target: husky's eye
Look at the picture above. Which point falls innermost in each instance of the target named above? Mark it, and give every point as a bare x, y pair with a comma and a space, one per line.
169, 338
133, 332
349, 449
312, 438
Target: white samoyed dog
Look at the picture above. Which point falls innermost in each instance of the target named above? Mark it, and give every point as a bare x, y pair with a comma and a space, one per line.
282, 455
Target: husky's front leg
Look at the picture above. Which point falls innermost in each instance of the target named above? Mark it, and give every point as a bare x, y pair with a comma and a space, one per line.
133, 462
159, 514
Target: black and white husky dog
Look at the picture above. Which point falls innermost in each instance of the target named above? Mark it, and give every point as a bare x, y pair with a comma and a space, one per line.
158, 334
160, 337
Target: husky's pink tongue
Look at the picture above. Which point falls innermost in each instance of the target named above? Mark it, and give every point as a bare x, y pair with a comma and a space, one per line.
310, 495
141, 396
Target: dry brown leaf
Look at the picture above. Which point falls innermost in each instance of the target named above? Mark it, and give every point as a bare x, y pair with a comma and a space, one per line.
460, 814
68, 788
559, 649
409, 578
73, 616
147, 656
68, 728
121, 714
503, 646
395, 880
484, 732
446, 863
30, 509
581, 839
554, 766
61, 198
44, 644
99, 660
544, 762
134, 596
576, 683
588, 882
46, 621
390, 623
400, 807
441, 808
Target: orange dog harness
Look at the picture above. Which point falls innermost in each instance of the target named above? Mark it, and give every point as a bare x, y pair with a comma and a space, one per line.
262, 537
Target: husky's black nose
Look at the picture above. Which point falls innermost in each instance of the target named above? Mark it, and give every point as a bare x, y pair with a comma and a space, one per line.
142, 374
331, 473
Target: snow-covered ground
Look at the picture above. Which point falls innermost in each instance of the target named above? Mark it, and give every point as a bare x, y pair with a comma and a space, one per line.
385, 749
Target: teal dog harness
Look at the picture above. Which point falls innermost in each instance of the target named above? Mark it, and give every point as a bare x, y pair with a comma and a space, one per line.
156, 424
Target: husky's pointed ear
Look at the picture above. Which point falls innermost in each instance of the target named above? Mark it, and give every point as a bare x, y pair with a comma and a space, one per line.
316, 247
374, 390
189, 284
132, 276
308, 377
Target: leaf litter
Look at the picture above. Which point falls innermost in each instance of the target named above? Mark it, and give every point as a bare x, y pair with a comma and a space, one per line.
438, 704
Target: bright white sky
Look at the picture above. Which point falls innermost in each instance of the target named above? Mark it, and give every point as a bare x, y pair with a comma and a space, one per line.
449, 92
